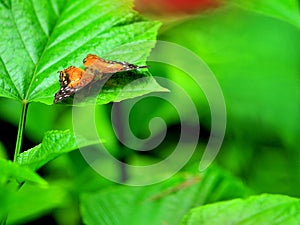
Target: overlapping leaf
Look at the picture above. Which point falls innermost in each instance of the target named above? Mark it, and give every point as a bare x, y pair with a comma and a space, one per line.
34, 201
38, 38
165, 202
10, 170
54, 144
263, 209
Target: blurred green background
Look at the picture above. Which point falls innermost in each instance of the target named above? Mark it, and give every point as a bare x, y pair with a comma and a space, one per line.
254, 52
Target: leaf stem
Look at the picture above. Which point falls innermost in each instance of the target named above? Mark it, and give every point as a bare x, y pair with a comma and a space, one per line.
21, 128
18, 142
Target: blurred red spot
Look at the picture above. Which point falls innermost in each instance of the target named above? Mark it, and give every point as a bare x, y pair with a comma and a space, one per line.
175, 6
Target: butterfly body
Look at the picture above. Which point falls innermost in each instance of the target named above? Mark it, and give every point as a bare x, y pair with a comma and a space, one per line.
73, 79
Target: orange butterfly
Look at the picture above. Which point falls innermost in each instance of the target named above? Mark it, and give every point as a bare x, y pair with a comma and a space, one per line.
73, 79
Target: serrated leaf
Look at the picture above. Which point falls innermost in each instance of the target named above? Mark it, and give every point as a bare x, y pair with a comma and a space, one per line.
287, 10
54, 144
262, 209
10, 170
165, 202
38, 38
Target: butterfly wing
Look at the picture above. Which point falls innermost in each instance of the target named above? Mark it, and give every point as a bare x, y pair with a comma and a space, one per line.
103, 66
71, 80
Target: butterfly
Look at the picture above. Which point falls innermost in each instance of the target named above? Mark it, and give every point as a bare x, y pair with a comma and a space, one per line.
73, 79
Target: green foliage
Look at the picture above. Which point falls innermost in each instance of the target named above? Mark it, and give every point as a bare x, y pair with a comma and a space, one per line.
164, 202
31, 201
40, 38
255, 58
251, 46
257, 73
262, 209
54, 144
10, 170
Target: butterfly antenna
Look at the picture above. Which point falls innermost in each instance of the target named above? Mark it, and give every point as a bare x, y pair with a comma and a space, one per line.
141, 67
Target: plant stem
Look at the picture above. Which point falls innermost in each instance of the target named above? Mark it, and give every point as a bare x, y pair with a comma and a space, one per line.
21, 128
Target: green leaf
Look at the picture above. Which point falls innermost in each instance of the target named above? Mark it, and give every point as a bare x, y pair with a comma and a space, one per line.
287, 10
54, 144
218, 184
10, 170
120, 86
262, 209
5, 196
167, 201
31, 202
38, 38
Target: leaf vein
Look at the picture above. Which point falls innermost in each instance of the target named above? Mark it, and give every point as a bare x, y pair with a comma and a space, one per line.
36, 65
78, 15
54, 7
71, 51
21, 38
38, 19
89, 24
16, 88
